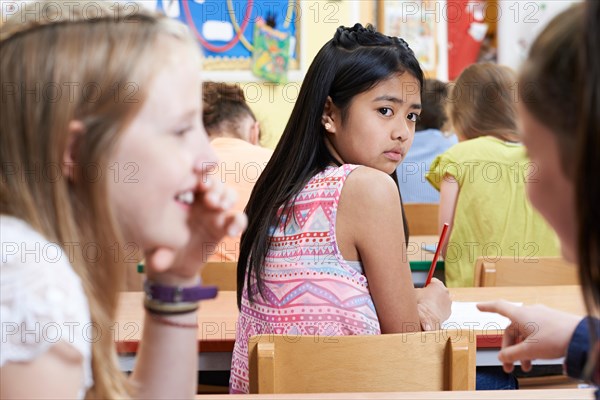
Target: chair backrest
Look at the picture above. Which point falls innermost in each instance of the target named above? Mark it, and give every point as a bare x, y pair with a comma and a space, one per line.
422, 218
223, 275
535, 271
422, 361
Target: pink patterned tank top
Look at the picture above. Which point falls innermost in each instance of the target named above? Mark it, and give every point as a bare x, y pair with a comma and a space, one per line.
309, 289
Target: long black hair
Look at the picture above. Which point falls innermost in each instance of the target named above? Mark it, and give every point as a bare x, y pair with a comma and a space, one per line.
354, 61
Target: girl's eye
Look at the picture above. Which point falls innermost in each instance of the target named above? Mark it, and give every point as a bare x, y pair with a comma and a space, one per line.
182, 132
413, 117
386, 111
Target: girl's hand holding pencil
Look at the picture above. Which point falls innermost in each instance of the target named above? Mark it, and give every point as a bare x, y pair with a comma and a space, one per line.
434, 305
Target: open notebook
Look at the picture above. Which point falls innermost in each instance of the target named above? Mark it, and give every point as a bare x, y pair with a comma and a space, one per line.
465, 315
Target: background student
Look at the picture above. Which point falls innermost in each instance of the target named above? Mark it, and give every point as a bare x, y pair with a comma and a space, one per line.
323, 254
482, 179
429, 142
560, 111
68, 236
234, 133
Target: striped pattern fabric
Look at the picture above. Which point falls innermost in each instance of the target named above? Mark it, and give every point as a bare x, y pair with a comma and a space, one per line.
309, 289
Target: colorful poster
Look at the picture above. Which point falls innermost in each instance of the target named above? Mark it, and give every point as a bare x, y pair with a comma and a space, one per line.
271, 53
225, 28
414, 22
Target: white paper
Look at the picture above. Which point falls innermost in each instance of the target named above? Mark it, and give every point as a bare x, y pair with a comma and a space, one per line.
465, 315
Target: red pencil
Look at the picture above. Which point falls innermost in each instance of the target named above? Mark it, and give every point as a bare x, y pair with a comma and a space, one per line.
437, 254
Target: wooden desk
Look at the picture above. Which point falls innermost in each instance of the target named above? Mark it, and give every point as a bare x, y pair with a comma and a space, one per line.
565, 298
545, 394
217, 321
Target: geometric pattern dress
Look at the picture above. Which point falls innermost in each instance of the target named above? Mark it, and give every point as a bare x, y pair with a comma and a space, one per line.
309, 289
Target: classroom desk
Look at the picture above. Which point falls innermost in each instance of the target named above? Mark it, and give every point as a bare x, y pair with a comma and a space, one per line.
545, 394
217, 319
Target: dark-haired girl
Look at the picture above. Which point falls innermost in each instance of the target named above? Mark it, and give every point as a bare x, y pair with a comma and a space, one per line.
324, 253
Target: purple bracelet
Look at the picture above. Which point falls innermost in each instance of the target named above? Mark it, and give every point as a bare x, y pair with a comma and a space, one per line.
178, 294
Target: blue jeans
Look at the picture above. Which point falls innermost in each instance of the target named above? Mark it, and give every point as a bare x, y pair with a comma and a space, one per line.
494, 378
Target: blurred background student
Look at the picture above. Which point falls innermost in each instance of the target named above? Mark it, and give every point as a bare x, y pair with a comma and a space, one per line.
429, 142
234, 133
482, 179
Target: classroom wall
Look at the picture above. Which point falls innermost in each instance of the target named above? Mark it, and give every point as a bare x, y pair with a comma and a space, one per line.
273, 103
519, 24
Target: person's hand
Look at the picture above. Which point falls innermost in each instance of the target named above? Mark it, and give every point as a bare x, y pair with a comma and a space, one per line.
210, 219
434, 304
535, 332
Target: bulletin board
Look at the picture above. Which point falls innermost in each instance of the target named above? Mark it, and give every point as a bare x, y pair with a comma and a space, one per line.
415, 22
225, 28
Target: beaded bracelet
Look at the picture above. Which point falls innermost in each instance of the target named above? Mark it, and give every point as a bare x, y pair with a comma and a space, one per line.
157, 307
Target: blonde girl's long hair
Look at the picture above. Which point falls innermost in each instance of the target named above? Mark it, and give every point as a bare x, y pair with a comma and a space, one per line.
483, 102
91, 62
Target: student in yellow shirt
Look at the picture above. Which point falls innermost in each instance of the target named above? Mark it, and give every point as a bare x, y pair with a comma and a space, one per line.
482, 178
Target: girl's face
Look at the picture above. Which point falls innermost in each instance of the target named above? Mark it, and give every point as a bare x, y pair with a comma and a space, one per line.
380, 124
159, 157
548, 188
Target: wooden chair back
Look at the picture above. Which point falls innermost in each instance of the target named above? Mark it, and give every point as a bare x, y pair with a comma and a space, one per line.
536, 271
223, 275
422, 361
422, 218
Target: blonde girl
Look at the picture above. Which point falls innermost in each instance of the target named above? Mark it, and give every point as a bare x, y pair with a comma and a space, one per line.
103, 153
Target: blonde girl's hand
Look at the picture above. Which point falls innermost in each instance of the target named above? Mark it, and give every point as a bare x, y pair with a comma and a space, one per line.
433, 304
211, 218
535, 332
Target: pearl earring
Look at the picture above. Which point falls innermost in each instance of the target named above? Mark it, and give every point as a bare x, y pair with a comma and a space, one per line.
327, 126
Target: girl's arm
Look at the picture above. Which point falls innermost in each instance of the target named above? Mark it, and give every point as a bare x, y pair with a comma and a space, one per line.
166, 365
369, 228
57, 373
449, 189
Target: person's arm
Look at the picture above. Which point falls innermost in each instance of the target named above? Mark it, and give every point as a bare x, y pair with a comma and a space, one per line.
56, 373
449, 190
166, 364
535, 332
579, 349
369, 226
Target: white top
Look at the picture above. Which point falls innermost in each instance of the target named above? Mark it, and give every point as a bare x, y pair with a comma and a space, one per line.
42, 299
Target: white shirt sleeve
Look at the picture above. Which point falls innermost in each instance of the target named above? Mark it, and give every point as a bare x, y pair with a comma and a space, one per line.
42, 299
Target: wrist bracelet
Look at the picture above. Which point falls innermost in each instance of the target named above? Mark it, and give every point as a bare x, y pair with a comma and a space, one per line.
178, 294
157, 307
